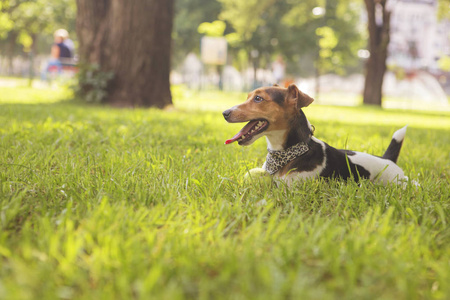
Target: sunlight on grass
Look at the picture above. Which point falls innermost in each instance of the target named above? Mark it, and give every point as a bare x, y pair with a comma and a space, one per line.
13, 90
28, 95
360, 115
102, 203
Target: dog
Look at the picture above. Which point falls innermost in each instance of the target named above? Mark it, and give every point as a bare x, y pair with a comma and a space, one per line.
293, 152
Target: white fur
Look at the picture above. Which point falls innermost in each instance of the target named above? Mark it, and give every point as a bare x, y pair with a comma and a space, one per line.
275, 139
381, 170
309, 125
399, 135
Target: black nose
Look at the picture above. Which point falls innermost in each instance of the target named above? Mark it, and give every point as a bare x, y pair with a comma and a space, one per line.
226, 114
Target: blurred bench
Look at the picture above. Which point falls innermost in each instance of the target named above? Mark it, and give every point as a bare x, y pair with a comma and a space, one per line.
69, 68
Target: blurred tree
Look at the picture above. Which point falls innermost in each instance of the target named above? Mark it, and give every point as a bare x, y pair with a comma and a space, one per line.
329, 33
249, 20
331, 29
444, 13
214, 29
6, 24
293, 28
379, 18
133, 40
23, 22
304, 31
189, 14
29, 19
7, 29
444, 9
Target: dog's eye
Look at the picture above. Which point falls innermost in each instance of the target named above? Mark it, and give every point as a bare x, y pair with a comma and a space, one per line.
258, 99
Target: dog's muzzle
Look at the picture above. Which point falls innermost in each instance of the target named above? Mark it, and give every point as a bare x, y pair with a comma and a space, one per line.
226, 114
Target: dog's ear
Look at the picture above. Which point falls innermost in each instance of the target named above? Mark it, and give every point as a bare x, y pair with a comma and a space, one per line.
275, 84
294, 94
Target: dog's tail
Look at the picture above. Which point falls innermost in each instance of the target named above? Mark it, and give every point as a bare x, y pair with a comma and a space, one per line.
393, 150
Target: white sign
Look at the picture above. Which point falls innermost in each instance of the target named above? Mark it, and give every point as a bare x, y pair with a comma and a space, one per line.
213, 50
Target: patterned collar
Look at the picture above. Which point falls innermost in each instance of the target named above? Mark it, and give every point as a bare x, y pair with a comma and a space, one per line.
276, 159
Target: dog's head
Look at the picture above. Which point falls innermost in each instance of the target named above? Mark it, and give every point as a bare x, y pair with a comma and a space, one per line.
266, 109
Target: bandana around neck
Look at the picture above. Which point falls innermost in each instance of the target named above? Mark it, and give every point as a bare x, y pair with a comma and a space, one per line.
276, 159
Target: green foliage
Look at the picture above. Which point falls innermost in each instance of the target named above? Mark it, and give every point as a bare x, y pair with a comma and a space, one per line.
301, 14
327, 41
25, 40
444, 63
92, 84
245, 16
101, 203
30, 20
290, 28
189, 14
344, 36
43, 16
214, 29
6, 24
443, 9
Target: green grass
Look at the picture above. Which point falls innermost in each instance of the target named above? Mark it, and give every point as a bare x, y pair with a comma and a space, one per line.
101, 203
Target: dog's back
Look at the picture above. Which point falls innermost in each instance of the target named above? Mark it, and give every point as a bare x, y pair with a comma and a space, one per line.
293, 152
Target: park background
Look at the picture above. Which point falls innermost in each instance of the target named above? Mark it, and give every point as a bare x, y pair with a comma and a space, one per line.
324, 46
116, 184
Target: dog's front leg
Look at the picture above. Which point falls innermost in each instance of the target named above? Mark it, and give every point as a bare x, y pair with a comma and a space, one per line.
258, 174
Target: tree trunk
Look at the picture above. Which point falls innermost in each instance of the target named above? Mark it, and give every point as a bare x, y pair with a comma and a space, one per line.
132, 39
378, 25
31, 56
10, 51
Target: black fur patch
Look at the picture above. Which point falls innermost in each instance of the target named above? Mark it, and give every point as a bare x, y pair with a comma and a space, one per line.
299, 131
277, 95
338, 165
348, 152
393, 151
308, 161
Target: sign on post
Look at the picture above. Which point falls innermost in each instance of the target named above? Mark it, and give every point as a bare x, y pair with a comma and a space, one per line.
213, 50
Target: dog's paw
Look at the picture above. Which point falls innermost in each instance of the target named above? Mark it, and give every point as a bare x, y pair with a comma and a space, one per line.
405, 181
258, 175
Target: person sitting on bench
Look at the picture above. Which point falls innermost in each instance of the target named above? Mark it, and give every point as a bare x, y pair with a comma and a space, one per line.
60, 53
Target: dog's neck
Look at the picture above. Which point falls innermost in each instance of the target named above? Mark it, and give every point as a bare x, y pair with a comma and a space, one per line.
276, 139
299, 131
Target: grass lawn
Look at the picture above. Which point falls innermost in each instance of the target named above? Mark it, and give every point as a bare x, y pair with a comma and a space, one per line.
101, 203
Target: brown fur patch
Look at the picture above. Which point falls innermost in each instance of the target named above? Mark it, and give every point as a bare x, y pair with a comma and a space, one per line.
269, 109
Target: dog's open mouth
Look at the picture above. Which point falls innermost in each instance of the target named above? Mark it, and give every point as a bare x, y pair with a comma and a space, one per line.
252, 128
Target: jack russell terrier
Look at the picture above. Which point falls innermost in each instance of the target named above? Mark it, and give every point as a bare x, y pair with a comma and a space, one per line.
293, 152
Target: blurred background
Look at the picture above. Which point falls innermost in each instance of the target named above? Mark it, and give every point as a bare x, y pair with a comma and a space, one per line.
322, 46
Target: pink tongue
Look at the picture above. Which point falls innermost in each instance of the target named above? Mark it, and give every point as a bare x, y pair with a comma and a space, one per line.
243, 131
233, 139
